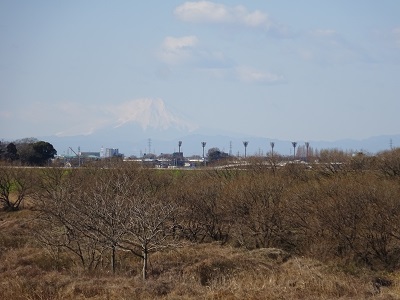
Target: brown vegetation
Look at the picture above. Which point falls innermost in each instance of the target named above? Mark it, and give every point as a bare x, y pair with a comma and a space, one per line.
125, 232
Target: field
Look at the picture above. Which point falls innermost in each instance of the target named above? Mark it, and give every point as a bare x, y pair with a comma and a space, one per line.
194, 271
125, 232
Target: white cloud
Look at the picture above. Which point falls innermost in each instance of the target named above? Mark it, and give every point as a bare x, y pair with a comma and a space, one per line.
251, 75
203, 11
176, 44
176, 50
185, 50
251, 19
210, 12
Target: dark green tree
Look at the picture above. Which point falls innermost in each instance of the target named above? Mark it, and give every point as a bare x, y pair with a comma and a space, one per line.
2, 149
11, 152
42, 152
215, 154
25, 149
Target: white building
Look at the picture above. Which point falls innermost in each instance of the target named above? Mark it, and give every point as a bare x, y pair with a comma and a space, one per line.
111, 152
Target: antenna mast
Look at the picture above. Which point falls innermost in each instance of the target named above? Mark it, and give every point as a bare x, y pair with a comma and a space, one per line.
149, 146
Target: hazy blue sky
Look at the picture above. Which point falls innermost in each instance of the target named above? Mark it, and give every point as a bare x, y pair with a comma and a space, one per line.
296, 70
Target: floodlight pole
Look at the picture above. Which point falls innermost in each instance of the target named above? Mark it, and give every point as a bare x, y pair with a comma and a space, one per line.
272, 149
203, 144
307, 146
294, 150
245, 143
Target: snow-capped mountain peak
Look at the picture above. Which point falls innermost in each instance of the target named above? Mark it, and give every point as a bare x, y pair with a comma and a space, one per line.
149, 113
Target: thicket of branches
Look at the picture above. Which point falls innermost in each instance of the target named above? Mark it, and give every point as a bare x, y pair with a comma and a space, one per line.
348, 212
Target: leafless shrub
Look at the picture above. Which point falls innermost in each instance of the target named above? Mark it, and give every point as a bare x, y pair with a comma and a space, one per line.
15, 185
388, 162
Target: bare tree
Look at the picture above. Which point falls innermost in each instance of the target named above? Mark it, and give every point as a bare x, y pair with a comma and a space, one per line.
103, 209
109, 210
15, 185
204, 215
59, 221
149, 228
389, 162
258, 209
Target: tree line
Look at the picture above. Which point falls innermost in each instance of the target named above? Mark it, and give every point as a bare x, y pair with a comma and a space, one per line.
29, 151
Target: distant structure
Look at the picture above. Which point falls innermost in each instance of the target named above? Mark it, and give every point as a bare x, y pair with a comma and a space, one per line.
203, 144
90, 154
149, 141
78, 155
111, 152
307, 147
245, 143
272, 149
178, 159
294, 144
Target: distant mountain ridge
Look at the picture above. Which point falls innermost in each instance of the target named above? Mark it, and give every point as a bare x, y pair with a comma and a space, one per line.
146, 113
148, 125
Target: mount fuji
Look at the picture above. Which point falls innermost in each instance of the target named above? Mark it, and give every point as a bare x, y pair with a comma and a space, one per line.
125, 126
150, 126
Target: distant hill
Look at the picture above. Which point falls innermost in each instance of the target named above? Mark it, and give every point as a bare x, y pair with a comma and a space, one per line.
148, 125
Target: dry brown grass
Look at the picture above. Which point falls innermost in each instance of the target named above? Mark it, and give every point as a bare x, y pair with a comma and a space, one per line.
199, 271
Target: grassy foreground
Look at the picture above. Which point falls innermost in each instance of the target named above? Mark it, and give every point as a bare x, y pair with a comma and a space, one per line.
193, 271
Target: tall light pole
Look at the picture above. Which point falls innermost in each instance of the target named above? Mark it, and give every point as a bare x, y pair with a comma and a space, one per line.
294, 149
245, 143
307, 146
203, 144
272, 149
